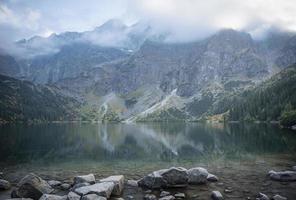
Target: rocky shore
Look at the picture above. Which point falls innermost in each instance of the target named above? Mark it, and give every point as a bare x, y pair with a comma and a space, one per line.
164, 184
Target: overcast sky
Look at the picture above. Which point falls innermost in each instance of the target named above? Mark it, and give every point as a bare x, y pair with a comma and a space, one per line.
186, 19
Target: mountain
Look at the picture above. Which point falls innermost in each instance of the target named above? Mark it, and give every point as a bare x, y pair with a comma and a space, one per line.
129, 73
25, 101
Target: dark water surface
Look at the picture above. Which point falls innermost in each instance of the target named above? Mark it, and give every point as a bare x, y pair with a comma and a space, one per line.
80, 143
239, 154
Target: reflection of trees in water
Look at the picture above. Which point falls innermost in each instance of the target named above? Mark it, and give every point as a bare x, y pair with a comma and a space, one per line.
156, 141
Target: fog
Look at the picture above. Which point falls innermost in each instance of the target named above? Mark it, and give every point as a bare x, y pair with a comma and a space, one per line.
184, 20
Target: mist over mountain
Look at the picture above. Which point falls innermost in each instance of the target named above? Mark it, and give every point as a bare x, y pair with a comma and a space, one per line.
128, 72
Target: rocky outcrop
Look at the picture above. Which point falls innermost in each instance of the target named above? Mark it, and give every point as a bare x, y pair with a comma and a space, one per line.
32, 186
282, 175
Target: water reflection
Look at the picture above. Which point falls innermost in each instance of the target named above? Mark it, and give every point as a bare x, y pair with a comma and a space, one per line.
152, 141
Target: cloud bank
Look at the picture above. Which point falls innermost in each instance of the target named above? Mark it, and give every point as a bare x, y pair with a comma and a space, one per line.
185, 20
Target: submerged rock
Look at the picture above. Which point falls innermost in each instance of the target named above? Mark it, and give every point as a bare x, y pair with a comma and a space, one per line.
4, 185
282, 175
73, 196
90, 178
279, 197
101, 189
216, 195
32, 186
197, 175
118, 183
93, 197
212, 178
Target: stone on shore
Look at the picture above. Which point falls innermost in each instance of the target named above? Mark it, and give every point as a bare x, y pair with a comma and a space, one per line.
102, 189
153, 180
263, 196
212, 178
282, 175
52, 197
93, 197
150, 197
32, 186
65, 186
90, 178
180, 196
4, 185
73, 196
118, 183
170, 197
132, 183
164, 193
78, 185
197, 175
175, 176
54, 183
279, 197
216, 195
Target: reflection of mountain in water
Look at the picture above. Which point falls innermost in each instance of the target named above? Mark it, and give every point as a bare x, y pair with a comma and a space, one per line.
155, 141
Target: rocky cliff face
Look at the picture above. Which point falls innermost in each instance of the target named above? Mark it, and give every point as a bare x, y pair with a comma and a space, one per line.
185, 78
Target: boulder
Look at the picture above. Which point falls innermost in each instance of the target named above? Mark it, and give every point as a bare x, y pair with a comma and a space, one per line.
153, 181
90, 178
170, 197
65, 186
52, 197
54, 183
118, 183
173, 177
32, 186
282, 175
216, 195
73, 196
212, 178
263, 196
150, 197
101, 189
4, 185
279, 197
164, 193
93, 197
197, 175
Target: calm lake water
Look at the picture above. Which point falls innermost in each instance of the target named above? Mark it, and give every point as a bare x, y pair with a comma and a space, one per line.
79, 143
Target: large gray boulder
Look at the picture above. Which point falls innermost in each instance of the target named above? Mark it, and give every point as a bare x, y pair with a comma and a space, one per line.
93, 197
102, 189
197, 175
282, 175
118, 183
52, 197
172, 177
4, 185
32, 186
90, 178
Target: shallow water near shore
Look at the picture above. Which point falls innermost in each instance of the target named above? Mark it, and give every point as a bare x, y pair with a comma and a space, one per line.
240, 154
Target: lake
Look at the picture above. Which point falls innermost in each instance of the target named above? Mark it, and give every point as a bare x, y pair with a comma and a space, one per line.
61, 150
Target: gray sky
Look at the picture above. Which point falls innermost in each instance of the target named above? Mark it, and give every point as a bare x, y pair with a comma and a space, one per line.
186, 19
